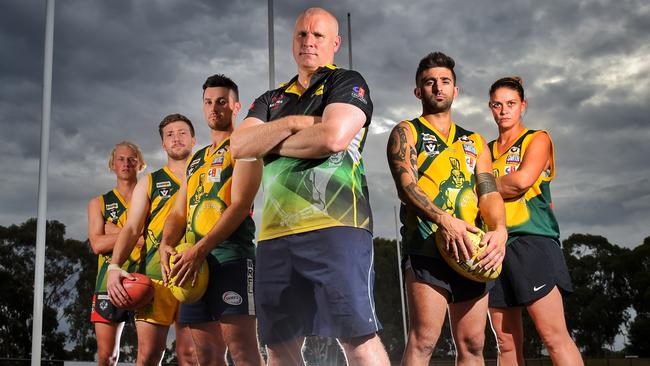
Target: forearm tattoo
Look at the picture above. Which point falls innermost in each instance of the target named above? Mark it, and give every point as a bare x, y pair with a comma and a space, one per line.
485, 183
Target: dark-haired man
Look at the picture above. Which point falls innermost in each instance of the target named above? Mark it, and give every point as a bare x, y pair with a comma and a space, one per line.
213, 212
443, 175
315, 256
151, 201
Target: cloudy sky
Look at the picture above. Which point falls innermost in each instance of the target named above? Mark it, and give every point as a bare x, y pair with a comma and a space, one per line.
120, 66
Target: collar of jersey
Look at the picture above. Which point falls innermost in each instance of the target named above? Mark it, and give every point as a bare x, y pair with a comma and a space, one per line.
495, 146
452, 131
291, 88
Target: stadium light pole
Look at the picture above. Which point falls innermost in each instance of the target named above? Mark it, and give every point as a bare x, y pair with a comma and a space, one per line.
401, 277
271, 47
39, 261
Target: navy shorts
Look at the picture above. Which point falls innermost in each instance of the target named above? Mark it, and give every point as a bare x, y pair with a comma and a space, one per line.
436, 272
229, 292
316, 283
532, 267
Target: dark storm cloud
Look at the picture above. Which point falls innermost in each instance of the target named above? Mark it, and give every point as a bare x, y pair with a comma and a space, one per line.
121, 66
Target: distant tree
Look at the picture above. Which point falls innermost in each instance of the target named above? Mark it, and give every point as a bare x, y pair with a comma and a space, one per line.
17, 244
599, 306
637, 264
387, 297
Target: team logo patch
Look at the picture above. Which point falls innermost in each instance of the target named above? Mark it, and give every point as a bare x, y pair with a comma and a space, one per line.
214, 175
430, 145
232, 298
470, 149
113, 215
103, 304
359, 93
164, 193
165, 184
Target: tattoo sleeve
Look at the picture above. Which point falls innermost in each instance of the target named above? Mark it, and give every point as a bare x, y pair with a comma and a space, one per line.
485, 183
402, 160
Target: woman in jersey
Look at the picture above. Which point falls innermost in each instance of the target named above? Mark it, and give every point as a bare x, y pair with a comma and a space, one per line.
106, 216
534, 274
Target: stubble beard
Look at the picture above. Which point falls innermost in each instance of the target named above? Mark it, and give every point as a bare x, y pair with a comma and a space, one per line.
433, 107
181, 155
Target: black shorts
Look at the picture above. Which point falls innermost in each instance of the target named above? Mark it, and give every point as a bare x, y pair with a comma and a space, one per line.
436, 272
316, 283
533, 265
229, 292
103, 310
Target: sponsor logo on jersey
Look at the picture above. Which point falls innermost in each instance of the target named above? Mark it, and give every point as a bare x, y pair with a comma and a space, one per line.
222, 150
318, 91
514, 149
214, 175
510, 169
359, 93
192, 166
470, 162
232, 298
512, 159
218, 160
111, 206
276, 102
464, 138
470, 149
165, 184
164, 192
430, 145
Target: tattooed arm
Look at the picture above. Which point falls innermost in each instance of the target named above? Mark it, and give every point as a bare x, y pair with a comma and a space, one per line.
402, 160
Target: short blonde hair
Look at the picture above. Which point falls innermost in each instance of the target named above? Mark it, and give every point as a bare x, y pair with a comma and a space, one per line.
132, 146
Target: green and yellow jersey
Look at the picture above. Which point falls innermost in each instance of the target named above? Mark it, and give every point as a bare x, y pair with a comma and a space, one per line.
209, 183
531, 213
302, 195
114, 209
163, 186
446, 173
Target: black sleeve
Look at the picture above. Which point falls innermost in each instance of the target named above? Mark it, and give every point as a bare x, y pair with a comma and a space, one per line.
347, 86
260, 107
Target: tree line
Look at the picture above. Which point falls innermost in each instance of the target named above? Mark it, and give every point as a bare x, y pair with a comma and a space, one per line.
611, 298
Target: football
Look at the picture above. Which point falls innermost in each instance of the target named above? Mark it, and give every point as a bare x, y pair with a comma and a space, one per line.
469, 268
186, 293
140, 291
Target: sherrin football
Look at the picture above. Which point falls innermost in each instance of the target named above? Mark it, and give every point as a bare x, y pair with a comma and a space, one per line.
186, 293
469, 268
140, 291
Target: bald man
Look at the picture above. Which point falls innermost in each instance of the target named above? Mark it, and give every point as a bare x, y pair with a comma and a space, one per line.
314, 273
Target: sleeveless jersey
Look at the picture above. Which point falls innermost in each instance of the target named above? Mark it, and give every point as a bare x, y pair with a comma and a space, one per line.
446, 173
163, 186
114, 211
209, 180
302, 195
532, 213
